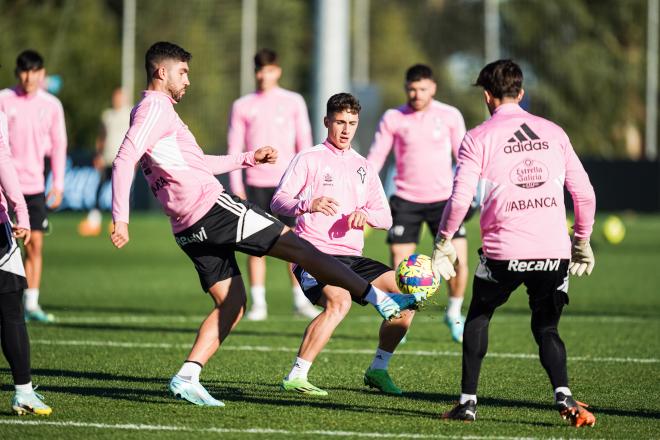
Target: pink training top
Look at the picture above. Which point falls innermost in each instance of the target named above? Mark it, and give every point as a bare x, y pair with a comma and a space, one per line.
180, 175
343, 175
423, 145
524, 162
9, 182
277, 118
36, 129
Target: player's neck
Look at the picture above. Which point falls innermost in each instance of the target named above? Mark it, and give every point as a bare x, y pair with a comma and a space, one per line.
267, 89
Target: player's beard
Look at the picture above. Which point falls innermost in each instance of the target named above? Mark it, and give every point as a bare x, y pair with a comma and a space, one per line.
177, 94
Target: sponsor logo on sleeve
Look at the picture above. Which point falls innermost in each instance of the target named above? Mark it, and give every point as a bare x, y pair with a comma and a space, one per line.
529, 174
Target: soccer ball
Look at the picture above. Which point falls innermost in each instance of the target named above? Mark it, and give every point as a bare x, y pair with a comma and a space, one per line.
415, 275
614, 230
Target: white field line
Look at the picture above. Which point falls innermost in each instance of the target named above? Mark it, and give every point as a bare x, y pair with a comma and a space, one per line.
249, 431
269, 349
155, 319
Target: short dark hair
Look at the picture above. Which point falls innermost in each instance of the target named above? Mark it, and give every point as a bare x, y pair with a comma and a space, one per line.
29, 60
501, 78
419, 72
162, 51
342, 102
265, 57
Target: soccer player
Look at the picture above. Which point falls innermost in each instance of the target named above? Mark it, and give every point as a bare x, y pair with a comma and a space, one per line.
208, 224
525, 161
424, 133
36, 130
114, 125
13, 333
270, 116
335, 192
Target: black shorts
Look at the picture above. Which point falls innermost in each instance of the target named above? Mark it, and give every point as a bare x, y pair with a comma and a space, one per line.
262, 197
38, 212
367, 268
230, 225
407, 219
12, 273
546, 281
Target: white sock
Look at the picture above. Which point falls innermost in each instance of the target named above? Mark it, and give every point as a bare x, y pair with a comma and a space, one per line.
381, 360
190, 371
454, 307
94, 216
258, 294
465, 397
24, 389
565, 390
375, 296
300, 369
299, 299
31, 298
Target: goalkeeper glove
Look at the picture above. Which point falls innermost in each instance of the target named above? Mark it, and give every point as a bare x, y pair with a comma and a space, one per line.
444, 258
582, 258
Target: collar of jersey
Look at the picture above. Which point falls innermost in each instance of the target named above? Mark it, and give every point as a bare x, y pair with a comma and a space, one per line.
158, 94
335, 150
508, 108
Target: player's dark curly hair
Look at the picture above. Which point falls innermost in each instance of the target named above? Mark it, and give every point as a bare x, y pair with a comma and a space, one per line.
343, 102
29, 60
501, 78
265, 57
419, 72
163, 51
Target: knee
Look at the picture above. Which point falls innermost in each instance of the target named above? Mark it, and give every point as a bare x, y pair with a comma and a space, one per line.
543, 332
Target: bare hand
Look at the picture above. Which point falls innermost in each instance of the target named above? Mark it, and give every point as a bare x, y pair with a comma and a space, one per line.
265, 155
357, 220
326, 205
241, 195
54, 198
21, 233
119, 236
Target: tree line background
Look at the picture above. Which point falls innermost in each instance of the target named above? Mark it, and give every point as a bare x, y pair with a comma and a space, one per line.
584, 60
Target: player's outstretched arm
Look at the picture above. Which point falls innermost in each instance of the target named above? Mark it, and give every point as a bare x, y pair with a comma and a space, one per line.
119, 236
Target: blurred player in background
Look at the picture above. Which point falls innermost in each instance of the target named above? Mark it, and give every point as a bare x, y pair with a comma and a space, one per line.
424, 133
113, 128
13, 333
208, 224
36, 130
335, 193
277, 117
525, 162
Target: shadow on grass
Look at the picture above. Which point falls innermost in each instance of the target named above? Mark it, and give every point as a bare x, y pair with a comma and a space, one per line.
447, 400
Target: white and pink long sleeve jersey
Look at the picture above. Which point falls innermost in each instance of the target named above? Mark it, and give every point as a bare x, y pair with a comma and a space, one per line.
347, 177
423, 145
9, 182
277, 118
180, 175
36, 130
524, 162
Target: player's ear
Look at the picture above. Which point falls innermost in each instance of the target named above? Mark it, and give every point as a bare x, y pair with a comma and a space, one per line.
520, 95
326, 122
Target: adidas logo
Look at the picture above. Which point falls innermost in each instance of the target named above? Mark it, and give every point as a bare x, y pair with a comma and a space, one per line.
523, 140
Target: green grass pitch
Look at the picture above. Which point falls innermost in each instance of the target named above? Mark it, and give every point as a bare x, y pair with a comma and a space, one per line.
126, 320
